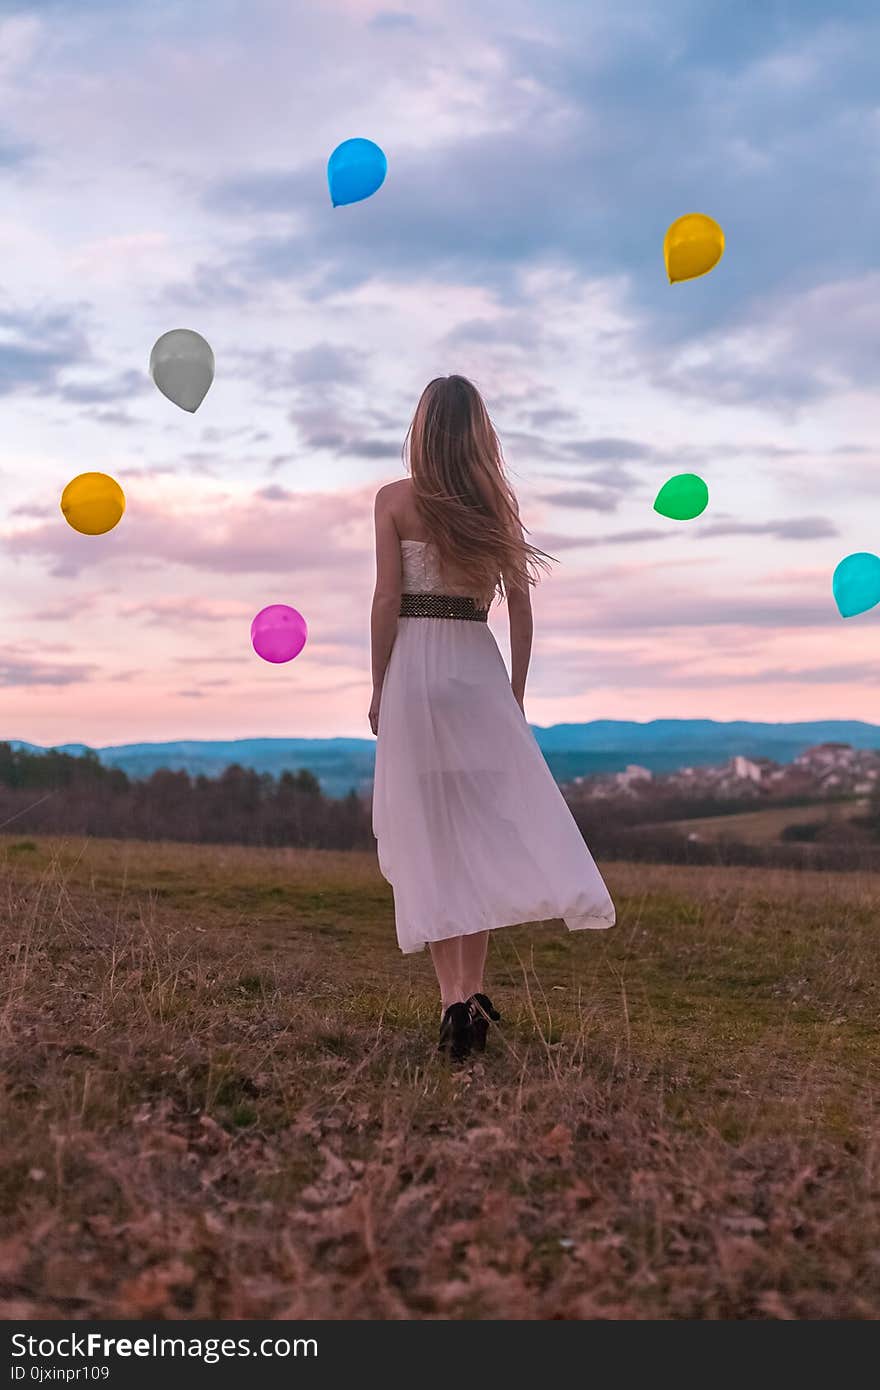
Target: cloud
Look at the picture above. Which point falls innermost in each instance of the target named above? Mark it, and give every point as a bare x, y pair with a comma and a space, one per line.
803, 528
796, 347
605, 458
373, 448
343, 430
20, 671
274, 493
648, 533
619, 479
846, 673
312, 532
788, 529
220, 434
121, 418
550, 415
388, 21
36, 510
509, 330
534, 167
648, 611
326, 385
43, 345
31, 8
14, 154
177, 612
209, 283
120, 386
730, 378
551, 542
62, 612
322, 364
588, 499
613, 450
628, 669
608, 121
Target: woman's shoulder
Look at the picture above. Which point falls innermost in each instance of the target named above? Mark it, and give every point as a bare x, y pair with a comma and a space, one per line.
393, 494
395, 500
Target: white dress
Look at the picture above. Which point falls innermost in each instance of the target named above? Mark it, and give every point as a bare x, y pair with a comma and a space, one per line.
472, 831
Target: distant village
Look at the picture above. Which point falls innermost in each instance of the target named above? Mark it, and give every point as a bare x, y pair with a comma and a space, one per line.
828, 770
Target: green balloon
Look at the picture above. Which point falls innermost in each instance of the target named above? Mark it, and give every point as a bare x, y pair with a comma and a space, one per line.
682, 497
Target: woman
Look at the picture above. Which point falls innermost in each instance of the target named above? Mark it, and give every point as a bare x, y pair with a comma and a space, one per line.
472, 831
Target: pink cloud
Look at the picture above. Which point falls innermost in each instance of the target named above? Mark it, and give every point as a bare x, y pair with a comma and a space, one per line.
178, 611
305, 531
32, 671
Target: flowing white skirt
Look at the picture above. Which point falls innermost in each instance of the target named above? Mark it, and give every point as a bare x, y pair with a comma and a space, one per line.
472, 831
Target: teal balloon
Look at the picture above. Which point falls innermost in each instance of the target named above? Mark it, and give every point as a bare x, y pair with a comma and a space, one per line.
856, 583
355, 169
682, 497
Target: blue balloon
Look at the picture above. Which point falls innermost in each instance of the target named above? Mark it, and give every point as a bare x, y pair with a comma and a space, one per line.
856, 583
355, 169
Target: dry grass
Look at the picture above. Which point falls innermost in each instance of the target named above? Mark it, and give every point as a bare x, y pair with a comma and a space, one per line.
765, 826
220, 1098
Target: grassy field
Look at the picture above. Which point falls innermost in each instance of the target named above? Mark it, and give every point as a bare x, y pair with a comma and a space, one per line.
765, 826
220, 1097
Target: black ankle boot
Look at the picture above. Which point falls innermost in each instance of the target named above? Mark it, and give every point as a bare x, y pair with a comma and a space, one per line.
481, 1010
456, 1033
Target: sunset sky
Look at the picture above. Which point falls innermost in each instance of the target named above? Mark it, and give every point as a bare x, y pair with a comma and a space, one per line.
164, 166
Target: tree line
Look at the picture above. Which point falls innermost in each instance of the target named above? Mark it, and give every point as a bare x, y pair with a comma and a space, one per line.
62, 793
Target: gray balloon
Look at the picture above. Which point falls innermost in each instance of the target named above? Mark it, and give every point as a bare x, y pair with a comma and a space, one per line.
182, 366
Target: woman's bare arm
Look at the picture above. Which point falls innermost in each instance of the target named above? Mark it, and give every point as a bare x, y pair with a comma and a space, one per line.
386, 597
519, 611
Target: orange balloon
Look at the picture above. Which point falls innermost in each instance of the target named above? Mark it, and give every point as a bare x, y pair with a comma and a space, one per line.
93, 503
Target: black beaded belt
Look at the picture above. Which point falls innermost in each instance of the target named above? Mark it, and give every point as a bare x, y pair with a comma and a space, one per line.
442, 606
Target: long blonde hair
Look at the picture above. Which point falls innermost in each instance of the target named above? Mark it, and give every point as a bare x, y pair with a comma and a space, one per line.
461, 491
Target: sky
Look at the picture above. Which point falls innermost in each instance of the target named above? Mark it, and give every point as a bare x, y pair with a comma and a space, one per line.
164, 166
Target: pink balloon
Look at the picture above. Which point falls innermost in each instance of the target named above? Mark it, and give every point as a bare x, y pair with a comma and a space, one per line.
278, 633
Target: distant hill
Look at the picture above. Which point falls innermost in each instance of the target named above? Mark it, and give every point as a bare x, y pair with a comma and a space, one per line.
571, 750
665, 745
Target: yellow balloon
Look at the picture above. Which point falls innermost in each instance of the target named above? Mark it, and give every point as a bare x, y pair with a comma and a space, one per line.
693, 245
93, 503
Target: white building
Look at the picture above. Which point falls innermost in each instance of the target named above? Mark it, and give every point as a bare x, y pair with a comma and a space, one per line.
747, 769
631, 774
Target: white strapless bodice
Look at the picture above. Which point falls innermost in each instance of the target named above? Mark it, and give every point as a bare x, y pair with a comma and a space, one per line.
421, 570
